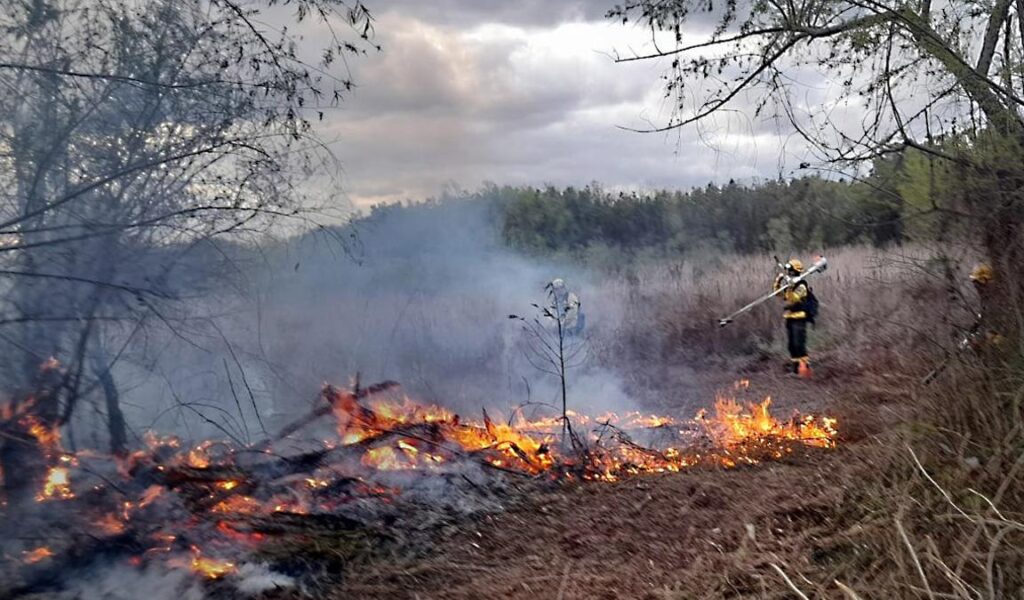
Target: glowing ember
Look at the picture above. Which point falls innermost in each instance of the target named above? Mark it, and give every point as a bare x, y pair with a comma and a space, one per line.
47, 437
238, 505
210, 567
38, 555
198, 457
57, 485
155, 442
110, 524
379, 445
150, 495
387, 458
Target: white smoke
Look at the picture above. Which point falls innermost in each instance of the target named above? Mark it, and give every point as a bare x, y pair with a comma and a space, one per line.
123, 582
421, 297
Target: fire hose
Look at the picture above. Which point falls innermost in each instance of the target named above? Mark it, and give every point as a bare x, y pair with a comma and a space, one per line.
819, 266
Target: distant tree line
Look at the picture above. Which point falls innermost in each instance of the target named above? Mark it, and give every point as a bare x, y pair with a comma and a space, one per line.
801, 214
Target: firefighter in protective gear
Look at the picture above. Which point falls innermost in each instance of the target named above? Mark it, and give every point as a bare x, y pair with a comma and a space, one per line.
567, 305
982, 338
794, 300
982, 274
984, 332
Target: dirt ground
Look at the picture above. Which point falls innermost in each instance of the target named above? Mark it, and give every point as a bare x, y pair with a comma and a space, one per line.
710, 533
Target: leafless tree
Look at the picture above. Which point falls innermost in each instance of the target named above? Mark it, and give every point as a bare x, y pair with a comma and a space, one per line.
943, 78
553, 348
133, 134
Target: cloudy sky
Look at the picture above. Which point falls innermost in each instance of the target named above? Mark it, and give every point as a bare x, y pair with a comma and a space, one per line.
526, 92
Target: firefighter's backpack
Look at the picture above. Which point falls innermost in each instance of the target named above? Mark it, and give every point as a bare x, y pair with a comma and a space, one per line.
811, 305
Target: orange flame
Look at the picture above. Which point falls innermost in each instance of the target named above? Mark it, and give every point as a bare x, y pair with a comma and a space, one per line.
47, 437
739, 434
401, 435
198, 457
210, 567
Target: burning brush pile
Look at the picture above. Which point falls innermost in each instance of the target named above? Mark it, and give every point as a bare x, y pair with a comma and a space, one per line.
255, 518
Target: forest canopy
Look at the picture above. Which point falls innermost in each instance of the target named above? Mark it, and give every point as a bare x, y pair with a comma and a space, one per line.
806, 213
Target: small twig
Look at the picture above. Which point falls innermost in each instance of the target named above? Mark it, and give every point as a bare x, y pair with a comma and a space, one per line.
913, 555
475, 485
105, 479
963, 589
942, 491
189, 405
238, 405
990, 562
326, 409
565, 581
248, 388
989, 502
847, 591
789, 582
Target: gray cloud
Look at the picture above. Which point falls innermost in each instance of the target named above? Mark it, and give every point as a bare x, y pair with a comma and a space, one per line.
463, 13
523, 93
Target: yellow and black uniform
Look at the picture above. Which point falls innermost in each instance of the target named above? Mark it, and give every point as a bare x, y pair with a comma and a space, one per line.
984, 331
795, 313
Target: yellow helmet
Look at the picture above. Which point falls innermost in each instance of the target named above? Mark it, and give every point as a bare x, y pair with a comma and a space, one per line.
796, 265
982, 273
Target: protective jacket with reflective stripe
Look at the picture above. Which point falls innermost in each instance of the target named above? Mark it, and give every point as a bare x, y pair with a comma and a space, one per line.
793, 299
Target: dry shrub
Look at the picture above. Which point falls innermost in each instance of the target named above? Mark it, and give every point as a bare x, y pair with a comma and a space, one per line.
930, 506
950, 516
937, 505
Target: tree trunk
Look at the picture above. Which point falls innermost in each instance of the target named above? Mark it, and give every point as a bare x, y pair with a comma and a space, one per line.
115, 418
1004, 118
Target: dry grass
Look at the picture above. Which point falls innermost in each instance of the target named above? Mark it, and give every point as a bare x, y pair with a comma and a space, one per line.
927, 504
933, 504
945, 517
886, 318
865, 294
